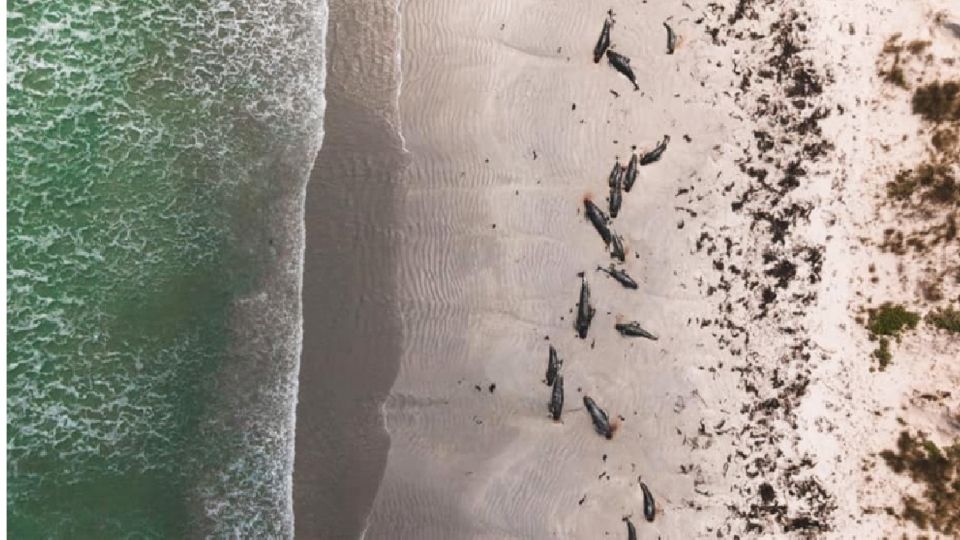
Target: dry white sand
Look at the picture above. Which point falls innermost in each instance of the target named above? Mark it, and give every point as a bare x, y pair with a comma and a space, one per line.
854, 412
509, 123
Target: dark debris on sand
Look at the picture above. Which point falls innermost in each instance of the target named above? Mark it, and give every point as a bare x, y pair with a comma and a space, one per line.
763, 285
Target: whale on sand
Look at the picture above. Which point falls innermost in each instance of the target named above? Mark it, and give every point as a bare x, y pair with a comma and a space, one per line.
649, 505
556, 399
585, 311
598, 219
654, 155
600, 420
633, 329
603, 42
622, 64
553, 366
671, 38
619, 275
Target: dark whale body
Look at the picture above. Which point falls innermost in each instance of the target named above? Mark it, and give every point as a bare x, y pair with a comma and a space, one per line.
622, 64
553, 366
649, 505
556, 399
600, 420
598, 219
619, 275
585, 311
603, 42
633, 329
654, 155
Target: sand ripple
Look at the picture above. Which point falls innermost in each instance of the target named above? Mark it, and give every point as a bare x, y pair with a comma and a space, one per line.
490, 242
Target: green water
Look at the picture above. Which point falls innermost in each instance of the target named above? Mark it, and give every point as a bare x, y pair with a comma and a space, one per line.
142, 138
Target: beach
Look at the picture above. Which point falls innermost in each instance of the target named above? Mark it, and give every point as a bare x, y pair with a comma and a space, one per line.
446, 240
510, 124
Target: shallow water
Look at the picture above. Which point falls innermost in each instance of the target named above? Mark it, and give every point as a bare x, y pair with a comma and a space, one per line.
148, 145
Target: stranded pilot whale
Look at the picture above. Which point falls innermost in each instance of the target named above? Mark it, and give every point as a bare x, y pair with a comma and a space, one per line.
631, 530
631, 175
616, 250
556, 399
599, 220
671, 38
616, 194
622, 64
585, 311
553, 366
616, 173
603, 43
633, 329
619, 275
649, 505
654, 155
600, 420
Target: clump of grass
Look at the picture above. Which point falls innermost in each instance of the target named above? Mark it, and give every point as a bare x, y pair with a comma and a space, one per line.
889, 319
892, 45
882, 354
903, 185
945, 319
931, 290
893, 241
938, 471
938, 102
938, 182
944, 139
894, 75
934, 181
917, 46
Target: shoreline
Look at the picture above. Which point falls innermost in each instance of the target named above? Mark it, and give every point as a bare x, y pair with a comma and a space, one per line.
350, 318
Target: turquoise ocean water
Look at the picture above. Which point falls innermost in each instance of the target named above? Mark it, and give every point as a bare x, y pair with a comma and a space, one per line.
152, 145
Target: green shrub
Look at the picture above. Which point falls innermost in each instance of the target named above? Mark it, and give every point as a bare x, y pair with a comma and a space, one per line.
938, 472
945, 319
889, 319
882, 354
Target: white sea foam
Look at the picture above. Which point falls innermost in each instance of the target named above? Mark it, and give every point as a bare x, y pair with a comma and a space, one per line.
128, 124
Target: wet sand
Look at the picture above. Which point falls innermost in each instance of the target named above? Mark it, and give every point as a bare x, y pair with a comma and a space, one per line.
351, 327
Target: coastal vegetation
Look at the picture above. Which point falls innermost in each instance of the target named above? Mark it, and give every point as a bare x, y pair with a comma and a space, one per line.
945, 319
891, 62
890, 319
925, 195
937, 471
885, 322
937, 101
923, 198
